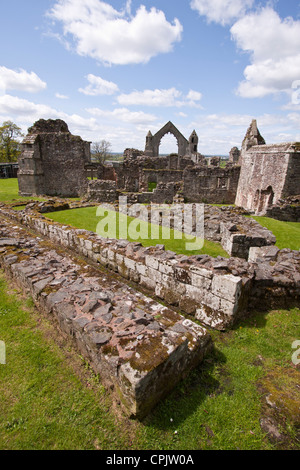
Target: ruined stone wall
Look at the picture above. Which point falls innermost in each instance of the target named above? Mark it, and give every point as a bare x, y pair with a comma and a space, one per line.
201, 183
52, 161
211, 185
139, 348
99, 190
161, 177
292, 181
217, 291
268, 173
287, 210
63, 160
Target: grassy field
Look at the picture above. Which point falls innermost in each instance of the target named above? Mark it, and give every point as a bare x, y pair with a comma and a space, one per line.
9, 191
50, 399
286, 233
86, 218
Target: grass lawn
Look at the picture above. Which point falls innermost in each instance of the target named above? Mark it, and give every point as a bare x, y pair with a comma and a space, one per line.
86, 218
9, 191
50, 399
286, 233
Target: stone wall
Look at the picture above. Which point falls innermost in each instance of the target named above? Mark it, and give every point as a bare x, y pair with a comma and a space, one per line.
99, 190
52, 161
212, 185
139, 348
268, 173
225, 225
200, 183
217, 291
287, 210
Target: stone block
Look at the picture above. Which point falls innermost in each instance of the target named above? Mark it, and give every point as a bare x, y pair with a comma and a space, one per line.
201, 272
227, 287
166, 267
200, 282
130, 263
139, 348
152, 262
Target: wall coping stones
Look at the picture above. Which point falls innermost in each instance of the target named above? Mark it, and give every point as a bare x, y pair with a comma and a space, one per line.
139, 347
218, 291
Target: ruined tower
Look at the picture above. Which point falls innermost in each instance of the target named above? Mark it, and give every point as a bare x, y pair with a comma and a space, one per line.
149, 145
252, 137
52, 161
193, 143
268, 172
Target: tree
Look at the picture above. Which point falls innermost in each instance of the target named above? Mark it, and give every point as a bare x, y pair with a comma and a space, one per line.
9, 145
101, 150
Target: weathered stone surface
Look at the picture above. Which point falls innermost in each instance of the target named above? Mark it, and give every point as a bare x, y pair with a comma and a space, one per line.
138, 346
188, 284
53, 161
269, 173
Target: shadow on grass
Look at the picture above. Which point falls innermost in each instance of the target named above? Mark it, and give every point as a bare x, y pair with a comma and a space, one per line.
254, 320
189, 394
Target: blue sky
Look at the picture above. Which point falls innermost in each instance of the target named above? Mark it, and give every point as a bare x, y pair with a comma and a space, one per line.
116, 69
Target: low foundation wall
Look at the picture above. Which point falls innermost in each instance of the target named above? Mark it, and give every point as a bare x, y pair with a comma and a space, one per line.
139, 348
216, 291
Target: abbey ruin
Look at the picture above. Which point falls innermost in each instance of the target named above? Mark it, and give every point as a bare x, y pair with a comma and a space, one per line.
256, 178
130, 308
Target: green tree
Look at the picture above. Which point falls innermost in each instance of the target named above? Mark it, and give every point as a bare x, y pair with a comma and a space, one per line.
9, 145
101, 150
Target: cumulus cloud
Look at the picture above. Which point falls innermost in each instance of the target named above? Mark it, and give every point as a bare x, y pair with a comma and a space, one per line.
116, 37
159, 97
218, 133
27, 112
274, 46
20, 80
98, 86
123, 114
61, 97
221, 11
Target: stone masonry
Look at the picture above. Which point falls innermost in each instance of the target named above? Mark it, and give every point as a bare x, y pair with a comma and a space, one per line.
52, 161
217, 291
139, 348
268, 172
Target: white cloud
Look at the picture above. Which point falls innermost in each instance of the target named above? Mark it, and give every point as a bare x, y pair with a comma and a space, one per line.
274, 45
116, 37
20, 80
221, 11
61, 97
27, 112
194, 95
123, 114
162, 98
218, 133
98, 86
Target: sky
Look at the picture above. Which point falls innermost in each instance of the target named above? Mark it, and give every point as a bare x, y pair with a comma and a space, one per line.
116, 69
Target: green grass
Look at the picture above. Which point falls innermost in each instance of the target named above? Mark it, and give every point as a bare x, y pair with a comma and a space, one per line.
287, 233
51, 400
86, 218
9, 191
45, 403
151, 187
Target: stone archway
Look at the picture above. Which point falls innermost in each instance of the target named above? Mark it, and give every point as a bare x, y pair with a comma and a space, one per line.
153, 141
